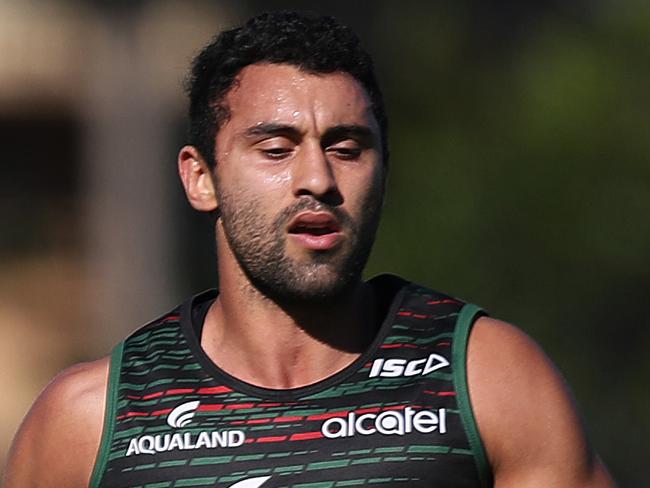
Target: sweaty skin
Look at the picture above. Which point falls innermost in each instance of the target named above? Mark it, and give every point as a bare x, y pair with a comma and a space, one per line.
525, 414
312, 139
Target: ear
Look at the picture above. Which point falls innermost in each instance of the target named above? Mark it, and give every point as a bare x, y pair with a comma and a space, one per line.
197, 179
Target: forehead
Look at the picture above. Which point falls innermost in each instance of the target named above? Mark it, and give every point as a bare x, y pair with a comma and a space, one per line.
284, 93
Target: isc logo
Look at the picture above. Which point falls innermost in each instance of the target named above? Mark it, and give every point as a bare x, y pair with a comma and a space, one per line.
393, 368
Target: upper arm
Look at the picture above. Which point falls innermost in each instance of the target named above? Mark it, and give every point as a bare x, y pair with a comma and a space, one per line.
58, 440
529, 423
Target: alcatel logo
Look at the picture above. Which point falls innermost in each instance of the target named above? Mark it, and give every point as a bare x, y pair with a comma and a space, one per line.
392, 422
395, 367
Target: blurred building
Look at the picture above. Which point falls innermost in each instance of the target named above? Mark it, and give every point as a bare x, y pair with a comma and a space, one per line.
91, 111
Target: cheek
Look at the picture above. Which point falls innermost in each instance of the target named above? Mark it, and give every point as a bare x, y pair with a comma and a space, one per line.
271, 180
245, 170
240, 176
252, 202
366, 189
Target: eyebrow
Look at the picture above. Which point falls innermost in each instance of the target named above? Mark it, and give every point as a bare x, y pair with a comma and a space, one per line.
363, 134
271, 129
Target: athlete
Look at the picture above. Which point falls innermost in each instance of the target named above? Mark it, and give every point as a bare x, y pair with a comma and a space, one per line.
296, 373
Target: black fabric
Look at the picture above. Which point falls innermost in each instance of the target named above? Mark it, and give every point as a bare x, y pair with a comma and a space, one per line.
391, 418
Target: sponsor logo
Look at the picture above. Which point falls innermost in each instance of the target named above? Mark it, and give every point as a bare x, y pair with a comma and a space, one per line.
178, 418
182, 415
393, 422
251, 482
394, 368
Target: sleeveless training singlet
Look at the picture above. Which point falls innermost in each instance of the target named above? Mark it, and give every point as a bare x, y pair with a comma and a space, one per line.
399, 416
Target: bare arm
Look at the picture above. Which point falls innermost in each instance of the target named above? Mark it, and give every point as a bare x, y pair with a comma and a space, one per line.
528, 421
57, 442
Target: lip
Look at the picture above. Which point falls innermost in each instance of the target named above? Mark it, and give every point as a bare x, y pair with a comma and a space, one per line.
329, 239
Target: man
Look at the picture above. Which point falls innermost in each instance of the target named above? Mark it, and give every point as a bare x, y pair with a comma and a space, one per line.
297, 373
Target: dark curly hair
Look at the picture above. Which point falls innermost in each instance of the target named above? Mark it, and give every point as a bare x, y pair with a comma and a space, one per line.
312, 44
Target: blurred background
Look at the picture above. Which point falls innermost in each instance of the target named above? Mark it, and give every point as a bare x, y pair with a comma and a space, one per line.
520, 180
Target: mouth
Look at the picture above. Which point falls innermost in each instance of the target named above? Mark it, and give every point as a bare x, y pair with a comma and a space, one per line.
319, 231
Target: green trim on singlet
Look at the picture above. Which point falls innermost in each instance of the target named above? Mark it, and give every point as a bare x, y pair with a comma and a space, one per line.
468, 314
109, 415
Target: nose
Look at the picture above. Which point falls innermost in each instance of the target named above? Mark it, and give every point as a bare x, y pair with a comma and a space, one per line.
313, 175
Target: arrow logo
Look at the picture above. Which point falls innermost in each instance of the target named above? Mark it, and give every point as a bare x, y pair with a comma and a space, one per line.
251, 482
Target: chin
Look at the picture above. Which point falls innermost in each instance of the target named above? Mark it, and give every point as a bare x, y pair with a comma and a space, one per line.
320, 284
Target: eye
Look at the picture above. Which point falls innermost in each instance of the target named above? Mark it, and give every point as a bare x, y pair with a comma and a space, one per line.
276, 148
347, 151
277, 152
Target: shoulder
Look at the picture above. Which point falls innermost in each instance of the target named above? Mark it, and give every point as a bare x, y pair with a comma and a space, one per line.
67, 417
525, 412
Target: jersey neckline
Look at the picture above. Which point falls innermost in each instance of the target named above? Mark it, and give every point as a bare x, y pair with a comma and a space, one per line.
192, 326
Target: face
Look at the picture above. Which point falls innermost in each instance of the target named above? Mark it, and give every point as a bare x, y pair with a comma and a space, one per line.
299, 181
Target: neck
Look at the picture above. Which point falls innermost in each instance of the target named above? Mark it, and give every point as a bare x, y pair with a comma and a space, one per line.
281, 345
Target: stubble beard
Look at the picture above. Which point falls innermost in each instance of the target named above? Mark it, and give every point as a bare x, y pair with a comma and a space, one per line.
260, 248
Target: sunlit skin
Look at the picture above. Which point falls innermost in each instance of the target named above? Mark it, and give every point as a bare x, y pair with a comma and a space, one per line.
294, 143
309, 143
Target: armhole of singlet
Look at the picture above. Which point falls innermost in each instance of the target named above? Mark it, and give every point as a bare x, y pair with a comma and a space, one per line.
468, 314
109, 416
